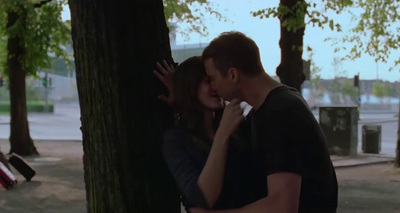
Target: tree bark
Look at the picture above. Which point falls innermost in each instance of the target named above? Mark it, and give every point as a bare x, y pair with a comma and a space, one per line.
116, 45
290, 70
20, 139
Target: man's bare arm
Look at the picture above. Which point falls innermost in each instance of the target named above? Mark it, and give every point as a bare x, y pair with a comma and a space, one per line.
283, 196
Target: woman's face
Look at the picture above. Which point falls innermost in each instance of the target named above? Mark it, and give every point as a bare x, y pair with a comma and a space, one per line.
208, 96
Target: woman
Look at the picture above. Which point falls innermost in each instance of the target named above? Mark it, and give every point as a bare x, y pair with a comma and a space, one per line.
209, 164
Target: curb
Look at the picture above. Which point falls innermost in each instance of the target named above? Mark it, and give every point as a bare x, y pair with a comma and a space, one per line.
360, 160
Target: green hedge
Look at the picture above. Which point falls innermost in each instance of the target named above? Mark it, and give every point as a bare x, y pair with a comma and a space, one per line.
32, 106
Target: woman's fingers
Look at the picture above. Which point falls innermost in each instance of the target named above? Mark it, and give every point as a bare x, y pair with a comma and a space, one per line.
160, 77
161, 68
164, 73
164, 68
235, 101
168, 67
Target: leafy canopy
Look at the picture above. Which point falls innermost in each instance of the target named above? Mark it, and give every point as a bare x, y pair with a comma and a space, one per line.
189, 13
377, 29
44, 35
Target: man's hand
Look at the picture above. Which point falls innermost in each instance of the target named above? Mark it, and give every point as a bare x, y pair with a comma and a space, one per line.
165, 74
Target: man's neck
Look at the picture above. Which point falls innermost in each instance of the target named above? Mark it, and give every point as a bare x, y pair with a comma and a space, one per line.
256, 89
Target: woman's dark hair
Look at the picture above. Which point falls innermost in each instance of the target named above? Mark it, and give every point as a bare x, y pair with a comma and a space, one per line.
187, 78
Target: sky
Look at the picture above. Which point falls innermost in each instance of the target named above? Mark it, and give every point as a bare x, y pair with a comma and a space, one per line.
266, 33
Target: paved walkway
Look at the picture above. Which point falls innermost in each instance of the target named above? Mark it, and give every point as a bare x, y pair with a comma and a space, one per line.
58, 186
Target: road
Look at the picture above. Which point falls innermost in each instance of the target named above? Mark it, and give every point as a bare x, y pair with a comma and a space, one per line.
64, 124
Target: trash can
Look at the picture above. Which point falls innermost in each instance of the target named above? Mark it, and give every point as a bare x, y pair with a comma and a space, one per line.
340, 126
371, 138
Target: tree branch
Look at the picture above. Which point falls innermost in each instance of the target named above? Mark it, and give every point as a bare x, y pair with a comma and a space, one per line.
37, 5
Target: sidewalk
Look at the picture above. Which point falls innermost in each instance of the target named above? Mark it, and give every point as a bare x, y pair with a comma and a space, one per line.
359, 160
58, 186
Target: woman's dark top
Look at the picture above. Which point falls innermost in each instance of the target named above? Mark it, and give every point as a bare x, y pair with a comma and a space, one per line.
186, 154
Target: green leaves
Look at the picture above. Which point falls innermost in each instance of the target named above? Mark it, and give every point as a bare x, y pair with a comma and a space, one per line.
376, 32
294, 17
382, 89
44, 34
188, 11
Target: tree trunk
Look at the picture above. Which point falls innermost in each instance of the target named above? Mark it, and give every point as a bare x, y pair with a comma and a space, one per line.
20, 139
290, 70
116, 45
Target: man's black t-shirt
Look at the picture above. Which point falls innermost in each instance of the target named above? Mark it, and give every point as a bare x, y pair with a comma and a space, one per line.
287, 138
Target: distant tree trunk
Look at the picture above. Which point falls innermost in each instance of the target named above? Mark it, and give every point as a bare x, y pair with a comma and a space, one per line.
290, 70
20, 139
116, 45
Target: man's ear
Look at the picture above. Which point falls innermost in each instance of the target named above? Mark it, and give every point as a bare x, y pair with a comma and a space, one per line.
233, 74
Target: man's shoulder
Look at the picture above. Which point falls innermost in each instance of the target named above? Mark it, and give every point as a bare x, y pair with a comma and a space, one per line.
285, 94
282, 99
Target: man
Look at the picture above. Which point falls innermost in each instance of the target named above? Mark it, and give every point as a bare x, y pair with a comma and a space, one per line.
292, 163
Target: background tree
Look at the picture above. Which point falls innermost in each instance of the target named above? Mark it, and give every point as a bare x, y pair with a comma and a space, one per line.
389, 91
317, 89
376, 24
189, 16
293, 16
116, 45
378, 90
349, 92
31, 31
335, 89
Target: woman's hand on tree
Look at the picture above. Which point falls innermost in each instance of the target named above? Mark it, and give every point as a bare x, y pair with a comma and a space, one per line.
165, 74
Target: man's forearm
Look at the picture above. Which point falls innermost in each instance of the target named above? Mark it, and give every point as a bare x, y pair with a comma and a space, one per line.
270, 204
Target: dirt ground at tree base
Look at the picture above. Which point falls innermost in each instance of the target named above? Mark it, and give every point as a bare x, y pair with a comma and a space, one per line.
58, 186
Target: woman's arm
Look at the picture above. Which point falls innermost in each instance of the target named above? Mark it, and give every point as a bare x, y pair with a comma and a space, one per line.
202, 186
212, 176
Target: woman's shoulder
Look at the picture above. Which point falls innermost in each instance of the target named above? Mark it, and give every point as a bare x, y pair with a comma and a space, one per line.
182, 137
176, 135
176, 131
